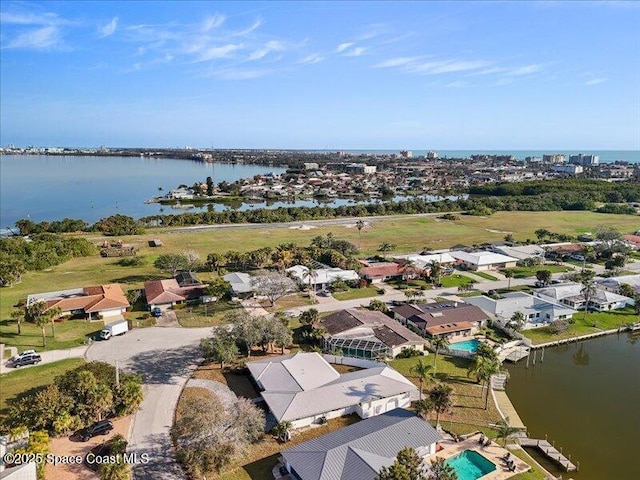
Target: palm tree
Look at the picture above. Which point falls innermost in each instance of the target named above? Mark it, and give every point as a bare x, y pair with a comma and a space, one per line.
360, 225
517, 321
483, 368
281, 430
504, 431
588, 291
441, 397
115, 471
18, 317
311, 275
587, 251
440, 470
509, 275
423, 371
53, 314
435, 271
386, 247
423, 407
438, 343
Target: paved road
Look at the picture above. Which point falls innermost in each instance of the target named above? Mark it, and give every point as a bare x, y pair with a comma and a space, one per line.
165, 357
49, 357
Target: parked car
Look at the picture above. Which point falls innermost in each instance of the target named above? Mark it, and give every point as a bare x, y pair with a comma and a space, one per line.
156, 312
103, 427
29, 359
20, 355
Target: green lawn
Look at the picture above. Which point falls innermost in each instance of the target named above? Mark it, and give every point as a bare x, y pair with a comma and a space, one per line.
20, 380
535, 473
524, 272
354, 293
290, 301
485, 275
70, 333
595, 322
455, 281
205, 315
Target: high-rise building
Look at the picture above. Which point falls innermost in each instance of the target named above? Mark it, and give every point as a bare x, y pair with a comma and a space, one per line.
554, 158
584, 160
406, 153
432, 155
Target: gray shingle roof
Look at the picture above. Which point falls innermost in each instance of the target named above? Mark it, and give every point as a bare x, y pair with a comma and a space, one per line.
356, 452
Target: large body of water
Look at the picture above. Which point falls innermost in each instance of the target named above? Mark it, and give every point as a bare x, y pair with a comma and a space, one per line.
586, 398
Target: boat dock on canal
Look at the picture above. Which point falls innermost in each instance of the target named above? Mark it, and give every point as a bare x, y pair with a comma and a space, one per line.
550, 451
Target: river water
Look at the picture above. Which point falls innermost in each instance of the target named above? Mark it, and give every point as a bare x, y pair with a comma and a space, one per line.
586, 397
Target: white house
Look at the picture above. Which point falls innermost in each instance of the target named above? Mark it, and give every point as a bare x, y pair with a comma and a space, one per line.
320, 278
423, 262
482, 260
521, 252
305, 389
613, 284
241, 283
571, 294
356, 452
537, 311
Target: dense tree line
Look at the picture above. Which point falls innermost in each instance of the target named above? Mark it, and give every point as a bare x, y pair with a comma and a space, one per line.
44, 250
76, 399
66, 225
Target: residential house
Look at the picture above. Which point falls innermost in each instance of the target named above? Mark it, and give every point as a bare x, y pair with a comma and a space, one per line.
443, 319
561, 251
521, 252
367, 334
91, 302
304, 389
571, 295
537, 311
423, 262
633, 241
241, 283
377, 272
321, 278
613, 284
356, 452
164, 294
482, 260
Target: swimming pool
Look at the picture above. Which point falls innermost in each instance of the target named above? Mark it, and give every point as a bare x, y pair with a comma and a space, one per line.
466, 346
470, 465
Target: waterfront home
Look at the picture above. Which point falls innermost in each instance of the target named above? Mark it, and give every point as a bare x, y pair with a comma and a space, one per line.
241, 283
304, 389
613, 284
356, 452
90, 302
571, 294
181, 193
482, 260
443, 319
367, 334
377, 272
321, 278
164, 294
537, 311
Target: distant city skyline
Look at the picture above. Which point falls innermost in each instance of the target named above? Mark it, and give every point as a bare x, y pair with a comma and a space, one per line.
321, 75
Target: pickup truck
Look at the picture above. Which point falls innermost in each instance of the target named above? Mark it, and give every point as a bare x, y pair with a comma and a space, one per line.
116, 328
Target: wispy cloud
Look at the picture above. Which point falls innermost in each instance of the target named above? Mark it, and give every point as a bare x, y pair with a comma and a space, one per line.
397, 62
457, 84
108, 29
212, 22
418, 65
234, 73
595, 81
257, 24
310, 59
270, 46
156, 61
526, 70
32, 19
45, 38
343, 46
218, 52
355, 52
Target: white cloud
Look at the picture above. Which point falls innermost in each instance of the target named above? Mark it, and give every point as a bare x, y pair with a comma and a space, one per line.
526, 70
237, 73
343, 46
397, 62
446, 66
108, 29
310, 59
355, 52
32, 19
215, 53
249, 29
270, 46
457, 84
44, 38
212, 22
156, 61
595, 81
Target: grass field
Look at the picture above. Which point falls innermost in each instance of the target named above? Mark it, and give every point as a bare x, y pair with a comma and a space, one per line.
409, 233
18, 381
71, 333
455, 281
354, 293
205, 315
595, 322
485, 275
289, 301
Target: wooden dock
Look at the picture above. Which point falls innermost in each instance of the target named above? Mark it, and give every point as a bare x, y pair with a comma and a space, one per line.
514, 354
550, 451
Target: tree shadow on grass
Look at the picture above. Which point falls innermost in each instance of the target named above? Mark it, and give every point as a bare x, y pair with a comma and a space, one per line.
137, 278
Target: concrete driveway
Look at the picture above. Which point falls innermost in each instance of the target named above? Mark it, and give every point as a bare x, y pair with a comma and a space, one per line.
165, 357
48, 357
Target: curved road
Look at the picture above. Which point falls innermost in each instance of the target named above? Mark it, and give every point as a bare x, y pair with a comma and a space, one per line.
165, 357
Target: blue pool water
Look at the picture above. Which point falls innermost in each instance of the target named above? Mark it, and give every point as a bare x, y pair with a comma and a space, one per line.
466, 346
470, 465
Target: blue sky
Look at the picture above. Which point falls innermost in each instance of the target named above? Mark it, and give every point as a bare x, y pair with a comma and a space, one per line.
338, 75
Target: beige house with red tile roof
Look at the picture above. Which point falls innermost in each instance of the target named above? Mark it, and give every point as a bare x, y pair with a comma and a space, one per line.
164, 294
106, 300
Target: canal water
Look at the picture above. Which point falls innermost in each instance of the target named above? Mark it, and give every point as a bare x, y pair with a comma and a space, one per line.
586, 397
